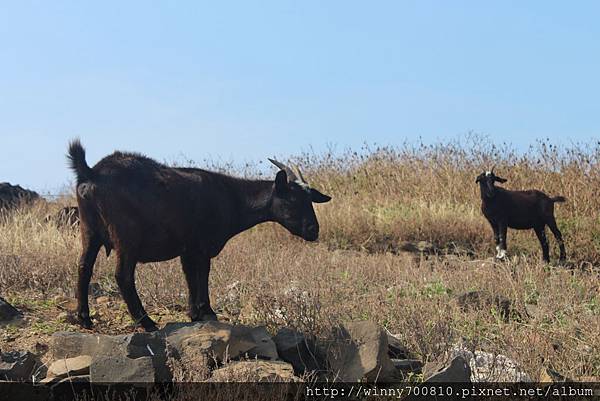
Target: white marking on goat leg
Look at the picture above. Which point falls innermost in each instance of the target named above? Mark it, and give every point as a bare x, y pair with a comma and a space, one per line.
501, 254
149, 349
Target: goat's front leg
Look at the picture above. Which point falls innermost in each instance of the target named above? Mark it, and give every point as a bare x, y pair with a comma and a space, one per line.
496, 236
125, 276
197, 269
502, 231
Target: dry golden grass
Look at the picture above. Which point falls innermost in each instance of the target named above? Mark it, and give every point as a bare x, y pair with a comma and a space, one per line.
429, 193
380, 198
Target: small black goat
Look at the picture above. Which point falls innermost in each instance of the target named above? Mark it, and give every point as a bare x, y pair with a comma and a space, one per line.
521, 210
149, 212
66, 217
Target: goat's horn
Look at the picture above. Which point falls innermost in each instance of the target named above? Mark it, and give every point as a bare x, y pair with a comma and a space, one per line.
493, 167
300, 175
291, 176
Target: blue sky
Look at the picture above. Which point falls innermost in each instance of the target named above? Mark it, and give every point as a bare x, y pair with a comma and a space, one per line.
240, 81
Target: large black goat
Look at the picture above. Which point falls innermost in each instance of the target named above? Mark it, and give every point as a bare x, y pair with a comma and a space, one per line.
521, 210
149, 212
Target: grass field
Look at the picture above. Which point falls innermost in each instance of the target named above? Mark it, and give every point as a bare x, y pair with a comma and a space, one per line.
382, 198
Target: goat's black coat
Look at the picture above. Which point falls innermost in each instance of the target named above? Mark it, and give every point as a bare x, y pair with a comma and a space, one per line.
519, 210
149, 212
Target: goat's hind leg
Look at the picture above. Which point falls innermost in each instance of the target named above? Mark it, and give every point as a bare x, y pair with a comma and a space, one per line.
558, 235
496, 229
125, 276
91, 246
541, 234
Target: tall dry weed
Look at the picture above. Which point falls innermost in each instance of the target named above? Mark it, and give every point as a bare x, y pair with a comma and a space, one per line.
381, 196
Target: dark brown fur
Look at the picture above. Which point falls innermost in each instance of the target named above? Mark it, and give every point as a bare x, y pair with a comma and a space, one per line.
148, 212
520, 210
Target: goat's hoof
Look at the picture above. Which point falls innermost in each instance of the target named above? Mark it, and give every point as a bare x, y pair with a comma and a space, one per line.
148, 325
206, 317
209, 317
86, 323
501, 255
203, 313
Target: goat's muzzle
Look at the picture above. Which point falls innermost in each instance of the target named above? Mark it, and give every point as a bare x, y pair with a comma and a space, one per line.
311, 233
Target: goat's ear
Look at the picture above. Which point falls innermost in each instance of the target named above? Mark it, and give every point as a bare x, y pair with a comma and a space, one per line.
500, 179
318, 197
281, 184
477, 179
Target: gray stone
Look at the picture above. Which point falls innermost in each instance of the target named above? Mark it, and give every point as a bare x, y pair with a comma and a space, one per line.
48, 381
17, 365
144, 344
408, 366
396, 349
488, 367
264, 347
359, 351
122, 369
220, 341
153, 346
303, 354
255, 371
195, 348
70, 344
136, 345
77, 366
8, 312
212, 339
75, 379
458, 371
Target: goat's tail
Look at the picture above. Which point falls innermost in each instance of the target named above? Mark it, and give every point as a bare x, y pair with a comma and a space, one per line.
558, 199
76, 157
